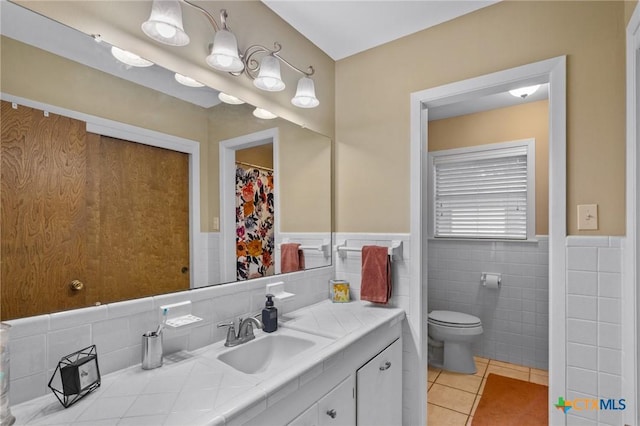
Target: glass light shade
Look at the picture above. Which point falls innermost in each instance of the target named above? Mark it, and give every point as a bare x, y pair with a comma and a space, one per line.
305, 94
224, 53
187, 81
269, 76
264, 114
523, 92
165, 23
129, 58
229, 99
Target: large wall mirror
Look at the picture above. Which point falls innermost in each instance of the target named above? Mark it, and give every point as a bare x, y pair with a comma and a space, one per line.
84, 211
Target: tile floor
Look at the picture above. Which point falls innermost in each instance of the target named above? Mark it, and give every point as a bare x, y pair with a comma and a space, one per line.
453, 397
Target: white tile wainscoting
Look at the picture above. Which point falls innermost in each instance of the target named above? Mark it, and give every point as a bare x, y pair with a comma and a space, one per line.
349, 268
515, 318
37, 343
594, 339
593, 314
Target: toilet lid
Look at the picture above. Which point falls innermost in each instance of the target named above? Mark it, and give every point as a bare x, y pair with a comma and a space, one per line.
450, 318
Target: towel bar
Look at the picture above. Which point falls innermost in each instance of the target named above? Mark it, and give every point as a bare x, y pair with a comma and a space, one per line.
395, 250
324, 247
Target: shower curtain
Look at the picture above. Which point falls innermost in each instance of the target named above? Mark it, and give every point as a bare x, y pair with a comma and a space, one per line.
254, 223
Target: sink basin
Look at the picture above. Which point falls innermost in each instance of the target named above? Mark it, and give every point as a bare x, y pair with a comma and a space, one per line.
271, 351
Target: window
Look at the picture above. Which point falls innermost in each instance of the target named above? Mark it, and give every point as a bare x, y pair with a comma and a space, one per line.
485, 191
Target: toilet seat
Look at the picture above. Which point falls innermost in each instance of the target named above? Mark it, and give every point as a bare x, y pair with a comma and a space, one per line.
453, 319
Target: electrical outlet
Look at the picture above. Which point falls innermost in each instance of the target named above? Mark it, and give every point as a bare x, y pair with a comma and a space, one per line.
587, 217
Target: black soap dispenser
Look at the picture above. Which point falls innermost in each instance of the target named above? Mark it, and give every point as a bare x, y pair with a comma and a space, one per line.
270, 315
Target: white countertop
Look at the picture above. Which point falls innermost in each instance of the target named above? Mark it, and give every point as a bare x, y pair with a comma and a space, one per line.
195, 388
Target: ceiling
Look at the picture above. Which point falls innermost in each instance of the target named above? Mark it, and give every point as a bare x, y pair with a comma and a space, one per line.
344, 28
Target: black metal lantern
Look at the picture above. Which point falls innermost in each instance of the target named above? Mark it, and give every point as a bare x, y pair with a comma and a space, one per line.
79, 375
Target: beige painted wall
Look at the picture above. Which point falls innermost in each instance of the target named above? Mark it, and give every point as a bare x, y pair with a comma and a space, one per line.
372, 104
261, 155
530, 120
304, 167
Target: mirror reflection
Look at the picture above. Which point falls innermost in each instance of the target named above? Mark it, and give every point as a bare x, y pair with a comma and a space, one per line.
129, 219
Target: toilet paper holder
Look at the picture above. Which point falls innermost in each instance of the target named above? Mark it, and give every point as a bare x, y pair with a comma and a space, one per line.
491, 279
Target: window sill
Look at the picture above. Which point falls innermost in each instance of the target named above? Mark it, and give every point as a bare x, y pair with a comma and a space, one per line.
534, 240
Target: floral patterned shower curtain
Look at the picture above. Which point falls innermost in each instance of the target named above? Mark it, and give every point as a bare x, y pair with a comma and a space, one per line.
254, 223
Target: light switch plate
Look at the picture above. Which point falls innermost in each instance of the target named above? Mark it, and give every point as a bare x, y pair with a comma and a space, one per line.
587, 217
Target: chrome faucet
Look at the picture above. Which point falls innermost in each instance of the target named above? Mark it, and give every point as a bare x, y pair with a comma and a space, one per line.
245, 331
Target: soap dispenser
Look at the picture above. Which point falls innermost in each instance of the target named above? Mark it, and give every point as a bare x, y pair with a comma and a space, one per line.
270, 315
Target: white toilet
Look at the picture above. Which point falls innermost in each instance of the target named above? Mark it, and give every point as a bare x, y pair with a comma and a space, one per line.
450, 337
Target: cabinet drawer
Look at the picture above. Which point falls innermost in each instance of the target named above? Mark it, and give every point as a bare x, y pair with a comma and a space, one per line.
338, 406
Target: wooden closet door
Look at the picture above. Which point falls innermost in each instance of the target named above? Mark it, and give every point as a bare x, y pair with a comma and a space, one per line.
43, 220
76, 206
142, 194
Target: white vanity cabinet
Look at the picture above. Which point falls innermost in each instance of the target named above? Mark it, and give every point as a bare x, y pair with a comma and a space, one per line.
356, 381
379, 388
338, 407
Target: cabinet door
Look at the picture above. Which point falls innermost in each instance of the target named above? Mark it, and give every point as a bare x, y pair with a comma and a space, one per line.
338, 407
308, 418
379, 384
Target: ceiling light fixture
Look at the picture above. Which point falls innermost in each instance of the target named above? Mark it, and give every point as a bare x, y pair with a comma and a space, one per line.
187, 81
165, 24
523, 92
229, 99
264, 114
129, 58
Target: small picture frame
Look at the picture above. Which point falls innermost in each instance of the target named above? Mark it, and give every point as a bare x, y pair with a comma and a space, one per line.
76, 375
339, 290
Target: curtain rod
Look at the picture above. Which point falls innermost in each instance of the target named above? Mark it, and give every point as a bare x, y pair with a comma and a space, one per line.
255, 166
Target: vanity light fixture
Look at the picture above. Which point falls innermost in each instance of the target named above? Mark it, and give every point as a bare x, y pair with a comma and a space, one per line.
305, 94
259, 63
165, 23
264, 114
229, 99
224, 54
269, 78
523, 92
187, 81
129, 58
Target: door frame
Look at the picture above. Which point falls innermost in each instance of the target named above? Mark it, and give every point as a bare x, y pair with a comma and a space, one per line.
102, 126
630, 277
228, 150
552, 71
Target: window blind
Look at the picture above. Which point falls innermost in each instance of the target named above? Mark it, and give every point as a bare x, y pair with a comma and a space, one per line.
481, 196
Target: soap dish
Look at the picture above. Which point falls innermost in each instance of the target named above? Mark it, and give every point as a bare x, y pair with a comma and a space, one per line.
182, 321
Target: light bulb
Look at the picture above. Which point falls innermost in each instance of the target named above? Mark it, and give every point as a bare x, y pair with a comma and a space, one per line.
165, 30
224, 60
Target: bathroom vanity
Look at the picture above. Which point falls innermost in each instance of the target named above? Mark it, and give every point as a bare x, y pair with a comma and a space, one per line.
328, 364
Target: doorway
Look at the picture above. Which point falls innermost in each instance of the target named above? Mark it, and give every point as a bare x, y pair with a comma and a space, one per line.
255, 212
552, 71
230, 151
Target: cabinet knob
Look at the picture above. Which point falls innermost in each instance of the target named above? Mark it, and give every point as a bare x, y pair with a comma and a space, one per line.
332, 413
386, 366
76, 285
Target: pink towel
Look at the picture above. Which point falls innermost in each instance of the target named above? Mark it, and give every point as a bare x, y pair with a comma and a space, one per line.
376, 274
291, 258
